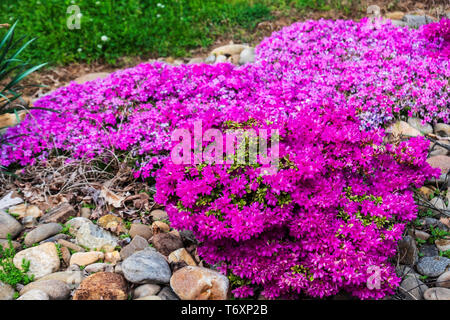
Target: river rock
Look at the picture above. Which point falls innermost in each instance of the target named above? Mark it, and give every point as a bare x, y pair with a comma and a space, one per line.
407, 251
146, 266
433, 266
146, 290
196, 283
149, 298
91, 77
55, 289
442, 129
142, 230
181, 255
34, 295
59, 214
5, 244
86, 258
9, 200
166, 243
71, 278
417, 124
415, 21
99, 267
91, 236
443, 244
42, 232
412, 287
7, 292
159, 215
167, 293
228, 50
437, 293
102, 286
247, 56
43, 259
9, 225
444, 280
137, 244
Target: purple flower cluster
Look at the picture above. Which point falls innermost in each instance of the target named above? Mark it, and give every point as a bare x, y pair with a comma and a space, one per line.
439, 33
328, 220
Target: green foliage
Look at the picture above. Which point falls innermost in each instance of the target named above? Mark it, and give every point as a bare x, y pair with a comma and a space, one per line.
437, 234
9, 273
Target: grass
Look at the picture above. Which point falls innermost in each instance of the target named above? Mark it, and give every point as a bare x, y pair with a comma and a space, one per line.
138, 27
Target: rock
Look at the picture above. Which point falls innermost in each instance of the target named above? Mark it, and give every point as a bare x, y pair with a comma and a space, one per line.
85, 212
137, 244
443, 244
33, 211
196, 283
247, 56
417, 124
442, 129
166, 243
181, 255
433, 266
55, 289
234, 59
188, 237
112, 257
146, 266
5, 244
56, 238
210, 59
9, 201
422, 235
91, 77
112, 223
70, 245
399, 23
59, 214
9, 225
412, 287
195, 61
118, 268
149, 298
146, 290
34, 295
140, 230
159, 215
441, 162
167, 294
415, 21
402, 271
42, 232
71, 278
408, 251
438, 203
443, 280
102, 286
91, 236
426, 192
402, 128
18, 210
29, 222
159, 226
43, 259
396, 15
436, 150
228, 50
86, 258
432, 222
221, 59
65, 255
437, 293
99, 267
7, 292
444, 220
429, 250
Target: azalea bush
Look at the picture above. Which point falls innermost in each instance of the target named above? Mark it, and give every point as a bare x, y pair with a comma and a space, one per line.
328, 218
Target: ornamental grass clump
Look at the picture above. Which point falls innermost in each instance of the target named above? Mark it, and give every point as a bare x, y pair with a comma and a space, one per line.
328, 218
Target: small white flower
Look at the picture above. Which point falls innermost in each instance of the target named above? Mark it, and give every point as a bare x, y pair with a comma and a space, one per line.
99, 46
79, 15
104, 38
79, 49
97, 3
158, 15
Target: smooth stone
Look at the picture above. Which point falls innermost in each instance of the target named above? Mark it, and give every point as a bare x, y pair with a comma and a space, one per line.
159, 215
441, 162
5, 244
415, 21
91, 77
438, 203
195, 61
221, 59
402, 128
433, 266
99, 267
59, 214
70, 245
18, 210
102, 286
33, 211
6, 291
141, 230
56, 238
86, 258
112, 223
228, 50
65, 255
9, 201
181, 255
85, 212
137, 244
429, 250
412, 287
247, 56
112, 257
422, 235
43, 259
407, 251
29, 222
8, 225
437, 293
210, 59
146, 290
166, 243
71, 278
442, 129
197, 283
417, 124
396, 15
55, 289
444, 280
149, 298
167, 293
146, 266
34, 295
91, 236
399, 23
443, 244
438, 150
42, 232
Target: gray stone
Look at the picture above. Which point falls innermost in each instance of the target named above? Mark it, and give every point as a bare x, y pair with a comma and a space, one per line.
146, 266
42, 232
444, 280
43, 259
34, 295
195, 61
91, 236
5, 244
220, 59
399, 23
408, 251
433, 266
167, 294
99, 267
8, 225
6, 291
55, 289
137, 244
415, 21
247, 56
429, 250
146, 290
71, 278
56, 238
59, 214
412, 287
442, 129
417, 123
9, 201
210, 59
437, 294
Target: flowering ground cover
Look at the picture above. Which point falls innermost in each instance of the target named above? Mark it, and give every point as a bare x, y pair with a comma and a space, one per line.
340, 200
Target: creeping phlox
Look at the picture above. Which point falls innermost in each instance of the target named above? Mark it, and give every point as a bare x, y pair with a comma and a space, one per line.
338, 199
